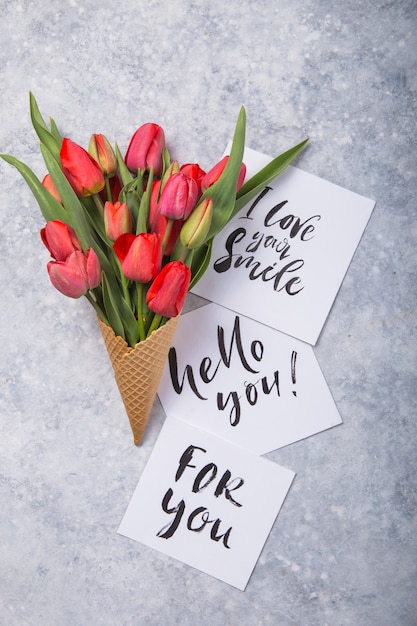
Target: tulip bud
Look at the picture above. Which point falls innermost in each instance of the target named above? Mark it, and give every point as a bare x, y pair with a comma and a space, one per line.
174, 168
49, 185
193, 170
117, 219
145, 149
60, 239
178, 197
102, 152
140, 256
214, 174
197, 226
81, 170
77, 274
166, 295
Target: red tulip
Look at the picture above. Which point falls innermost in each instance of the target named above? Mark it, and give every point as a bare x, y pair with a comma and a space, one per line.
77, 274
117, 219
158, 223
102, 152
193, 170
81, 170
140, 255
166, 295
145, 149
60, 239
49, 185
214, 174
178, 197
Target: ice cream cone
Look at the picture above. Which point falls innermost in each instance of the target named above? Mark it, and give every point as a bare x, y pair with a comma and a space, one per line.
138, 371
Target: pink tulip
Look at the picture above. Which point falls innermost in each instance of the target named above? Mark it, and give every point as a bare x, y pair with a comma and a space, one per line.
77, 274
145, 149
117, 219
158, 223
214, 174
49, 185
140, 255
178, 197
81, 170
60, 239
166, 295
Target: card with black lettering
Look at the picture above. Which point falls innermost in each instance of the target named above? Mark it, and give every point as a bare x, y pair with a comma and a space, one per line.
206, 502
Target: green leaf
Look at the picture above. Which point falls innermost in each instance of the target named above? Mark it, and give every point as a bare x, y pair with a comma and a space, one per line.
46, 137
200, 262
69, 198
166, 161
142, 219
223, 192
111, 308
125, 174
254, 185
121, 317
133, 202
54, 131
51, 209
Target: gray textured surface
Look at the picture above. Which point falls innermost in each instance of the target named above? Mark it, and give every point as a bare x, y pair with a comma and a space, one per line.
343, 551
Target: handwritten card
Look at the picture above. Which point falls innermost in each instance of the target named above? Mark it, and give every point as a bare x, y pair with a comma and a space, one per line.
244, 381
282, 258
206, 503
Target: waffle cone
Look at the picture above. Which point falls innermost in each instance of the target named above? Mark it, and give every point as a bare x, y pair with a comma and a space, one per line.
138, 371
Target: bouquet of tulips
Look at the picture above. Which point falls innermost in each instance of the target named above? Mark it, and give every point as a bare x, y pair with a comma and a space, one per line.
133, 234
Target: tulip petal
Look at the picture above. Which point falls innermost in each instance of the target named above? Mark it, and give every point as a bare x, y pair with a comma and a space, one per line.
93, 269
122, 244
166, 295
81, 170
70, 276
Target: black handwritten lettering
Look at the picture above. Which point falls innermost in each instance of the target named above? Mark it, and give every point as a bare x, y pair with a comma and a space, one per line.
200, 517
267, 389
216, 537
185, 459
255, 345
211, 470
251, 393
205, 366
169, 529
227, 485
236, 339
291, 220
224, 263
173, 370
205, 516
255, 202
276, 217
234, 415
282, 248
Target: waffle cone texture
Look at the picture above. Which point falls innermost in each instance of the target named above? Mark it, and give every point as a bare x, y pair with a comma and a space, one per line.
138, 371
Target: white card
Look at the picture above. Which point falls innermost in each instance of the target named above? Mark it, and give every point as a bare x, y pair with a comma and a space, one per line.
244, 381
206, 503
282, 259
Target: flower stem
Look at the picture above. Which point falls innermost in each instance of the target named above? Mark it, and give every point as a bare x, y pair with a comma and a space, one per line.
166, 235
141, 324
155, 324
98, 203
108, 190
96, 307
